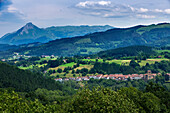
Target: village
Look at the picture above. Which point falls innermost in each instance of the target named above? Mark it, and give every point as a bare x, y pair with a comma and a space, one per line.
149, 75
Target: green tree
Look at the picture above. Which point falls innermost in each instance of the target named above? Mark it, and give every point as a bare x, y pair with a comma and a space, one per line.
101, 100
59, 70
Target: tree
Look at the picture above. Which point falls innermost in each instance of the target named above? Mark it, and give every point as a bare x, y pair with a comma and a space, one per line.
99, 100
133, 64
73, 71
59, 70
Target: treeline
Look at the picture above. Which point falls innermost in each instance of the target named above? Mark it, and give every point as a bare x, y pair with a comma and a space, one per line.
134, 67
144, 51
154, 99
116, 84
26, 81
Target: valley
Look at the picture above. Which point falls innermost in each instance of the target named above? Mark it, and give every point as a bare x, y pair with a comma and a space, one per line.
85, 56
57, 74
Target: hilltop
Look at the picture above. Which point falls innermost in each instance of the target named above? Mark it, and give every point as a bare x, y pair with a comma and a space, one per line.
31, 33
152, 35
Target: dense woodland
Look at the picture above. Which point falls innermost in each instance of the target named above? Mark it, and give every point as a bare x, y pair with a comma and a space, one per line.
134, 67
24, 91
33, 90
153, 99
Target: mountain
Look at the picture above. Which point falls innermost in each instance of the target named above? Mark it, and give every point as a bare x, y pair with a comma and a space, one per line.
152, 35
31, 33
73, 31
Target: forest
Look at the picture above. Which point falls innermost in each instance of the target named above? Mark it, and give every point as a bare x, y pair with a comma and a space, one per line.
28, 85
153, 99
25, 91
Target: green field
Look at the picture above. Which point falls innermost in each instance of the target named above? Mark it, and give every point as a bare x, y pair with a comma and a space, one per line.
160, 51
126, 62
99, 60
31, 66
47, 58
68, 65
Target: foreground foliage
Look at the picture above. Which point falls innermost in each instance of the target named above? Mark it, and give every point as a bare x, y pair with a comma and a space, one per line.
98, 100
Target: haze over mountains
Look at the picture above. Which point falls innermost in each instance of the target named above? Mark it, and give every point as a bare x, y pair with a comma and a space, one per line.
31, 33
152, 35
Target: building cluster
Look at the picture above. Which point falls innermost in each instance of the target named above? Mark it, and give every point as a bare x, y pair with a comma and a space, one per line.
147, 76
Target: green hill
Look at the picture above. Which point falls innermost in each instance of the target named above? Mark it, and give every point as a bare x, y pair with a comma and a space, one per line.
127, 51
153, 35
24, 80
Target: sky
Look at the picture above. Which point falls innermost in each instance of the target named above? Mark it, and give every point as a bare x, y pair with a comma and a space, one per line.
45, 13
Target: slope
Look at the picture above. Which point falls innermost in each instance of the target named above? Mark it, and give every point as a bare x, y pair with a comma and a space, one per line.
24, 80
152, 35
31, 33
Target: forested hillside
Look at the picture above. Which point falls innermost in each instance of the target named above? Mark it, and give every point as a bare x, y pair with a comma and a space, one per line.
153, 99
153, 35
127, 51
24, 80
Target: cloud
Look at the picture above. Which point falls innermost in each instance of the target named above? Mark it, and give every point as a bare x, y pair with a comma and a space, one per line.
104, 9
143, 10
8, 13
4, 4
108, 9
167, 11
93, 3
145, 16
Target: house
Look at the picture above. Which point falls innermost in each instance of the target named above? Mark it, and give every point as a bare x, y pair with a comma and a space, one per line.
3, 60
149, 75
64, 60
59, 79
99, 76
66, 79
88, 58
78, 79
167, 76
72, 78
105, 77
85, 78
92, 77
159, 56
52, 56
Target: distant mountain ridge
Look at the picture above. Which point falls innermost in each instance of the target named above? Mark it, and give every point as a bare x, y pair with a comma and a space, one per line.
152, 35
31, 33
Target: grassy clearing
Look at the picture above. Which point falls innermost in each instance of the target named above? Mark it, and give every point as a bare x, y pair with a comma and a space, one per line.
151, 61
120, 62
70, 72
84, 66
47, 59
160, 51
31, 66
68, 65
99, 60
63, 66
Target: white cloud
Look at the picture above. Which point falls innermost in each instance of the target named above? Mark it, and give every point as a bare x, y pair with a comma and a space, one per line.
108, 9
92, 3
167, 11
158, 10
146, 16
143, 10
104, 2
12, 9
